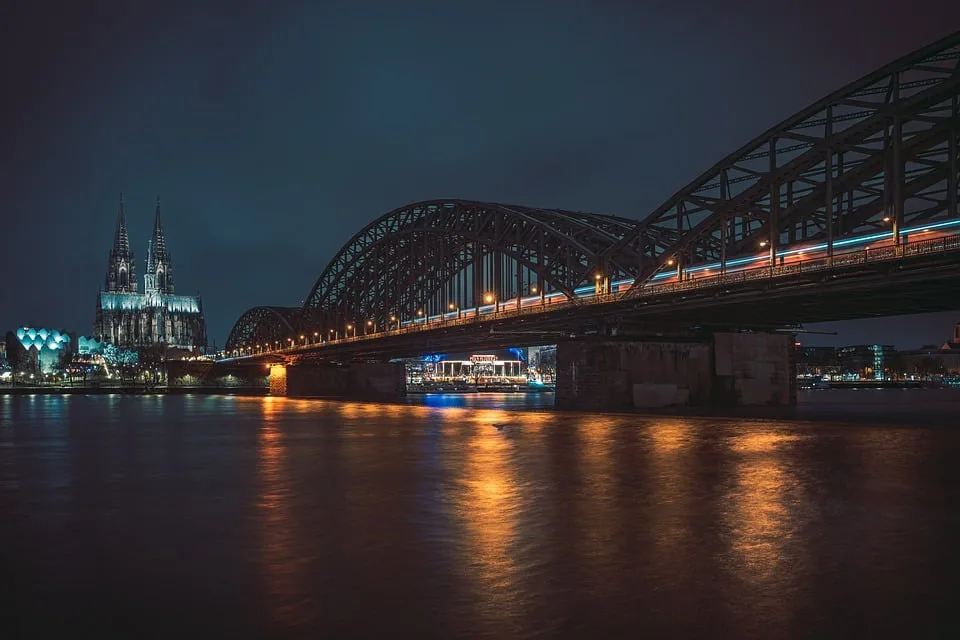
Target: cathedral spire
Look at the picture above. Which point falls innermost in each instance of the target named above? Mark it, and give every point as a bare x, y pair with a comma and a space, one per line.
159, 274
157, 251
121, 242
121, 270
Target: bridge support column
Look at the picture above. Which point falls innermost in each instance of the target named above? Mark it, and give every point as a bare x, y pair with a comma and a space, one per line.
367, 380
727, 369
278, 380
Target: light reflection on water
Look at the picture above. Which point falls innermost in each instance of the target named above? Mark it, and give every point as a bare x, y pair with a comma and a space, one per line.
316, 517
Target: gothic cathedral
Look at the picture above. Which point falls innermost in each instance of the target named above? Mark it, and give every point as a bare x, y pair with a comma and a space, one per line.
155, 317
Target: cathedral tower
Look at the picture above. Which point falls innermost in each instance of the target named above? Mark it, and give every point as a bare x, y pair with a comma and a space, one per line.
159, 274
156, 318
121, 267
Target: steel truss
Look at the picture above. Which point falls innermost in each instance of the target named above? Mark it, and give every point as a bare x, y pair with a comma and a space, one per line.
442, 256
880, 153
264, 328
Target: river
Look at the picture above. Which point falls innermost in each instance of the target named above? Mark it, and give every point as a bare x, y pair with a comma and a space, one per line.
476, 517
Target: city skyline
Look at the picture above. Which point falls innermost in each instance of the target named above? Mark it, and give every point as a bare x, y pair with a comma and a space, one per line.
271, 150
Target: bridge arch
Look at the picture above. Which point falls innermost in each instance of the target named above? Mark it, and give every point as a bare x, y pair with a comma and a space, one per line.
265, 326
878, 154
438, 255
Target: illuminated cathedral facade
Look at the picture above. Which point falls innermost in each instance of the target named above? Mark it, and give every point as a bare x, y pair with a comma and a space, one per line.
156, 317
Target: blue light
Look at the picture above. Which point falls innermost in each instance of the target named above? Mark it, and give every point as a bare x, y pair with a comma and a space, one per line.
136, 302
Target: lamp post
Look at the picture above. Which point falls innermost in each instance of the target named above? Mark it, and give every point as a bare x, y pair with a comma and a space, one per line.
492, 299
454, 307
395, 319
349, 327
316, 335
420, 314
367, 326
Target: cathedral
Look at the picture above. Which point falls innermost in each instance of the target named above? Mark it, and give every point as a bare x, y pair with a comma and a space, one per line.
133, 320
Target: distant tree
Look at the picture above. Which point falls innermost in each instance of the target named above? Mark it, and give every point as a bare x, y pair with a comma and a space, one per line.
123, 361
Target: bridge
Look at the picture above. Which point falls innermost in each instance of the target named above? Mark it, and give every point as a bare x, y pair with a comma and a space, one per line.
847, 209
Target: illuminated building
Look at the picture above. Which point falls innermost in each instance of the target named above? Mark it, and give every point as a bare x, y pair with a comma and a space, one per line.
157, 316
38, 350
867, 362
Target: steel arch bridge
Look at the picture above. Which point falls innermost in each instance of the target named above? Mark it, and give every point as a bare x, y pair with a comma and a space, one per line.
874, 162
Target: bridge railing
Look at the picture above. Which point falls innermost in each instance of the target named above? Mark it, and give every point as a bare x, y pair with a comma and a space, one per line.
766, 272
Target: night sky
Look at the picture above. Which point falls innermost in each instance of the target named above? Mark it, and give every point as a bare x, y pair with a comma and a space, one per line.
274, 132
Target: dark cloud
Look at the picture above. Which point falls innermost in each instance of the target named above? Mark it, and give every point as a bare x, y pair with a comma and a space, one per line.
274, 131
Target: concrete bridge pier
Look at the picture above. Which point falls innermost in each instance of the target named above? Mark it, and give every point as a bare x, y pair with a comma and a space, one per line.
360, 380
722, 370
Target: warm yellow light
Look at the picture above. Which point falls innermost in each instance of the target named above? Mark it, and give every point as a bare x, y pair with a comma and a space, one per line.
452, 306
369, 322
488, 297
763, 243
597, 277
349, 326
393, 318
533, 288
419, 312
302, 338
315, 334
670, 262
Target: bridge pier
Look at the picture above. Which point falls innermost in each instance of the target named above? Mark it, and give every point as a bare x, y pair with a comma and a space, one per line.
366, 380
722, 370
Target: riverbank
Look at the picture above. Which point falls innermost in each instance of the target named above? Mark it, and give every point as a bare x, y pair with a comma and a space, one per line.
132, 390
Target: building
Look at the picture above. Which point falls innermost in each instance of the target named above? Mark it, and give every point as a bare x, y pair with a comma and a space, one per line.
935, 361
818, 361
156, 317
37, 350
868, 362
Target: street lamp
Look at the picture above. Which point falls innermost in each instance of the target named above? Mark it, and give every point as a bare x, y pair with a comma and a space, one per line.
304, 339
394, 319
369, 324
315, 335
336, 335
349, 327
490, 298
454, 307
420, 313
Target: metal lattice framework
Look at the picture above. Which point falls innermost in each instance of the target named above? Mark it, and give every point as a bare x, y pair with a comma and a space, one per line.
268, 326
880, 153
431, 257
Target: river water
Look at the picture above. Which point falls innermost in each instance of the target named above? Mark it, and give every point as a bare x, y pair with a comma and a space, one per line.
474, 517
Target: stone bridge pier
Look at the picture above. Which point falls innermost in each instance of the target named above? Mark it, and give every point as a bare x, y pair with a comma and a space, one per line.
360, 380
722, 370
